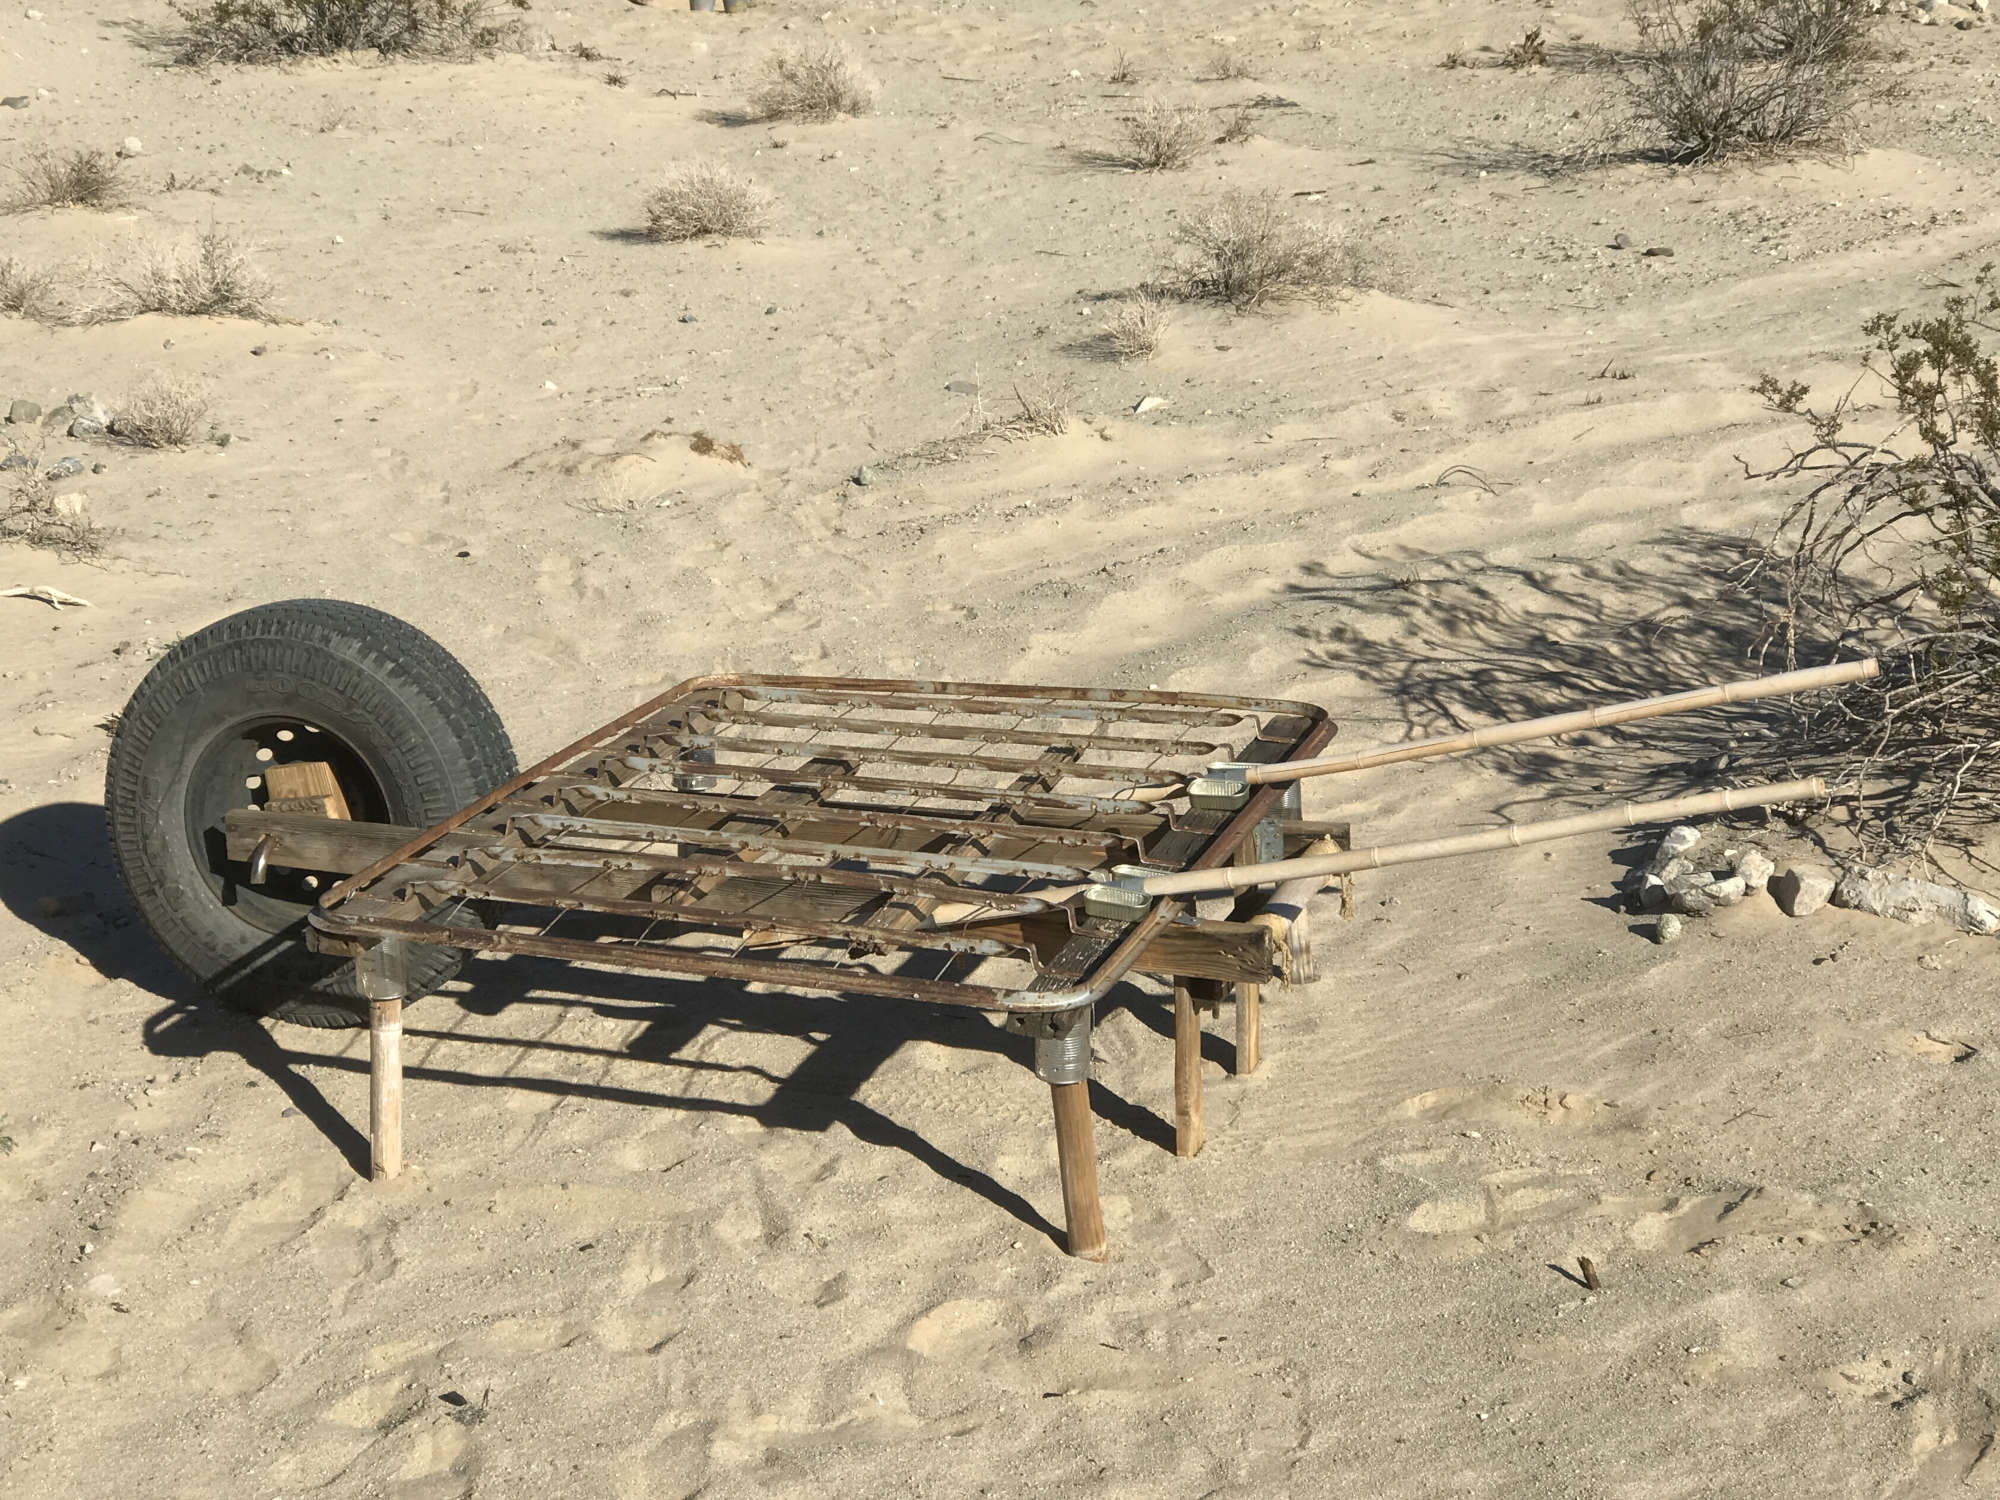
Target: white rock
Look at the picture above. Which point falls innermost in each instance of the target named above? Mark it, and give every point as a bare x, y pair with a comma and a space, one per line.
1906, 899
32, 15
1755, 869
1148, 403
1726, 892
1667, 929
131, 146
104, 1285
1678, 841
1802, 889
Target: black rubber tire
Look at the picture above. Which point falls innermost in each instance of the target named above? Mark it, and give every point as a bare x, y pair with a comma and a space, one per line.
410, 734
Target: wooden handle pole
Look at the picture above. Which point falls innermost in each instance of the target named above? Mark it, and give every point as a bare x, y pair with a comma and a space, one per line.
1802, 681
1076, 1160
1237, 877
385, 1088
1187, 1072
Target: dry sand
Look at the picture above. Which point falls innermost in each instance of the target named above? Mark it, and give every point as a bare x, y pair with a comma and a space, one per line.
670, 1240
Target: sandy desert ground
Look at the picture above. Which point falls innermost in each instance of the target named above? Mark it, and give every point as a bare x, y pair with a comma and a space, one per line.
669, 1241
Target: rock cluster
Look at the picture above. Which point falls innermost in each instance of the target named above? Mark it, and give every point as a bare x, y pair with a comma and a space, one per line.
1674, 885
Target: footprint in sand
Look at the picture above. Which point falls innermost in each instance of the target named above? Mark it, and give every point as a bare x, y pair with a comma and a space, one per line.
225, 1359
1951, 1399
968, 1329
1513, 1104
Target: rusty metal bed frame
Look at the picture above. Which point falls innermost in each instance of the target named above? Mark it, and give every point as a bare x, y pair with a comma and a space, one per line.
844, 836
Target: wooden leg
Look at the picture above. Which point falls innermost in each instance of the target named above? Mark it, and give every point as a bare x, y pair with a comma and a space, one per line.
1187, 1073
1076, 1157
1249, 1028
385, 1088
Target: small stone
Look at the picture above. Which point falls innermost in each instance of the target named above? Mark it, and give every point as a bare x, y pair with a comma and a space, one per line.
87, 427
14, 101
1802, 889
65, 468
222, 439
1754, 868
1673, 844
33, 15
1667, 928
74, 503
963, 387
864, 476
1621, 241
16, 461
771, 311
1148, 403
1793, 1281
1726, 892
99, 468
689, 318
1691, 901
130, 147
289, 1112
1664, 252
23, 412
259, 348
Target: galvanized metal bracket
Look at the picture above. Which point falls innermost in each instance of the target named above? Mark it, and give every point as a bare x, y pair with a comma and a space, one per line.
383, 971
1062, 1043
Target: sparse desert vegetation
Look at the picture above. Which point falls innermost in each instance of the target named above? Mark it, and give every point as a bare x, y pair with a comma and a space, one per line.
78, 178
1161, 137
210, 276
1720, 78
265, 31
702, 199
26, 291
33, 514
814, 82
167, 411
1134, 328
1249, 251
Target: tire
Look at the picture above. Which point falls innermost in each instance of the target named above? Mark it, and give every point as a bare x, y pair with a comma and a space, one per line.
411, 739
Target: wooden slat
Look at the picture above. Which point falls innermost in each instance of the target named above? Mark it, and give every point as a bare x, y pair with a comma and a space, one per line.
306, 778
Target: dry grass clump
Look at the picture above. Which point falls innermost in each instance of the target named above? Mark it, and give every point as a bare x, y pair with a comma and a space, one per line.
209, 277
32, 513
819, 81
1135, 328
1719, 78
704, 199
25, 291
1045, 412
1161, 138
1241, 126
165, 412
262, 31
68, 179
1249, 251
1229, 64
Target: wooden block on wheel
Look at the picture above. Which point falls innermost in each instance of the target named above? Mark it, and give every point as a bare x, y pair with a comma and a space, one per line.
306, 778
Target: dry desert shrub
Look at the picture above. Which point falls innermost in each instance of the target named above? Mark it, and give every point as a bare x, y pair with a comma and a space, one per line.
68, 179
32, 513
704, 199
211, 276
1045, 412
1719, 78
166, 412
1230, 63
1135, 328
26, 291
1241, 126
1124, 70
1894, 548
819, 81
1249, 251
1161, 138
262, 31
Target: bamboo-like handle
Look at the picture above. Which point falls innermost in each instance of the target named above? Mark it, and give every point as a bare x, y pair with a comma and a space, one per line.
1802, 681
1672, 809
